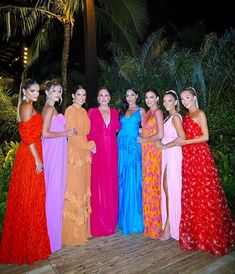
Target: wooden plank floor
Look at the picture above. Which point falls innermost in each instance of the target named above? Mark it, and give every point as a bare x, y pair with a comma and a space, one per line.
128, 254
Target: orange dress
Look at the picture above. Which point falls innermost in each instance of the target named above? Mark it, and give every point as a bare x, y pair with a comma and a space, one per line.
25, 238
151, 173
76, 216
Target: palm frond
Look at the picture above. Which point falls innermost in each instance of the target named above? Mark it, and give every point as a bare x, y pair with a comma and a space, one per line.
46, 35
119, 33
20, 19
147, 49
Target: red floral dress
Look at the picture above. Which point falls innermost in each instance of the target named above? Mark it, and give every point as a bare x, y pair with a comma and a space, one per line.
25, 238
206, 221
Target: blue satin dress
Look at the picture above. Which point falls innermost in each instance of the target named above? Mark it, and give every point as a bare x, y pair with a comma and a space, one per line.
130, 215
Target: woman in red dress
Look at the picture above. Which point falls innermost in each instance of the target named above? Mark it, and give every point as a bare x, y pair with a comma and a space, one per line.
25, 238
206, 220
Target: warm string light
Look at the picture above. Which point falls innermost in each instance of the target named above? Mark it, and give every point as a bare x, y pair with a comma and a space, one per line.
25, 56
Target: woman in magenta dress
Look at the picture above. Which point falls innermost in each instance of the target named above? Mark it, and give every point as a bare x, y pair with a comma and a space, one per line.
104, 168
171, 168
54, 144
206, 220
24, 237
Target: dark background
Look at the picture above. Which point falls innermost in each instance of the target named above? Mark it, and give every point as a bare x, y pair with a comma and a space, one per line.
199, 17
215, 17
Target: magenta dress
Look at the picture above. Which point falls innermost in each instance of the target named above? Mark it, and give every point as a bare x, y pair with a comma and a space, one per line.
104, 173
55, 161
171, 164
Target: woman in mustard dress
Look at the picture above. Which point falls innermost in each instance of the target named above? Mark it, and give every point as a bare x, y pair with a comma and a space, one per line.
152, 132
76, 217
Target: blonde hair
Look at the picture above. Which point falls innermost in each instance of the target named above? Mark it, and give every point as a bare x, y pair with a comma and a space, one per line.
27, 83
194, 93
175, 96
49, 85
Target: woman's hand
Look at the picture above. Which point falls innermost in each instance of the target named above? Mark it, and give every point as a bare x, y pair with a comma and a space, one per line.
159, 145
71, 132
93, 150
140, 139
179, 142
39, 165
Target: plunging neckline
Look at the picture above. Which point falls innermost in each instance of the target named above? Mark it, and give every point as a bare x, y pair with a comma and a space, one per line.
131, 114
106, 126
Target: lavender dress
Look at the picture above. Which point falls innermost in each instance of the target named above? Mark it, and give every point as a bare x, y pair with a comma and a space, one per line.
55, 160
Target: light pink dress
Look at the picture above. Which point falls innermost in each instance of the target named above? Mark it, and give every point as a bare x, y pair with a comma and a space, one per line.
172, 159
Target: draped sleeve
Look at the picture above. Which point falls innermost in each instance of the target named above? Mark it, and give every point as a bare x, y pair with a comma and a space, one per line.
30, 130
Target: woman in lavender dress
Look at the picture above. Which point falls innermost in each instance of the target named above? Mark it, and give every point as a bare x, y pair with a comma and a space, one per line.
54, 144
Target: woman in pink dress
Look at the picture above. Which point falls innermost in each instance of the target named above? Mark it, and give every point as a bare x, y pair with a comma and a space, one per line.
171, 167
54, 144
104, 168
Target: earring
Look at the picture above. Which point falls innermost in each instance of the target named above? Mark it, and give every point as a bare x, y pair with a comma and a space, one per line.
24, 97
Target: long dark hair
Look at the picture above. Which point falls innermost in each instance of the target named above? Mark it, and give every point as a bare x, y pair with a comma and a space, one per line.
125, 105
27, 83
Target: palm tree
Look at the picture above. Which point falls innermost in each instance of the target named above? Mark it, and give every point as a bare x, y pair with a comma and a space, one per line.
126, 21
45, 15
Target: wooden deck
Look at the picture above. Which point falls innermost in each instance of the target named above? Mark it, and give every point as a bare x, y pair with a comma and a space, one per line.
128, 254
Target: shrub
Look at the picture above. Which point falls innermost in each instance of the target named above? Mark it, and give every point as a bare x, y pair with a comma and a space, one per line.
7, 156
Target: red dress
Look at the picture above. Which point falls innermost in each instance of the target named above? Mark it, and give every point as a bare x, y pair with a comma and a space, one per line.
25, 238
206, 221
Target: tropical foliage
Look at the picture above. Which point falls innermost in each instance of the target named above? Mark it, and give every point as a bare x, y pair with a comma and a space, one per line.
7, 155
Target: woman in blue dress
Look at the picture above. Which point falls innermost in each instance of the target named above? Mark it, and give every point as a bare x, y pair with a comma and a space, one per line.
130, 217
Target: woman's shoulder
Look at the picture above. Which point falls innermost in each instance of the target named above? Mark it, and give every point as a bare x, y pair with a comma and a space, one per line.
114, 110
92, 110
177, 116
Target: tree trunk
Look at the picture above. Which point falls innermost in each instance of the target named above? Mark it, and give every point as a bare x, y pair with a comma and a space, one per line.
64, 65
91, 75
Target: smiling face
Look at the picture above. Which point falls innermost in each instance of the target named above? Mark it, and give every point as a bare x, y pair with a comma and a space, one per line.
169, 102
55, 93
188, 99
31, 93
79, 97
151, 99
131, 97
103, 97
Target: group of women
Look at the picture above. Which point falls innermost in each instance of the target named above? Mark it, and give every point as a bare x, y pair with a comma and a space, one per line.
93, 172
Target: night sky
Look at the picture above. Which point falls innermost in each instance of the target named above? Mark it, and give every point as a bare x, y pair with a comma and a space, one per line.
216, 17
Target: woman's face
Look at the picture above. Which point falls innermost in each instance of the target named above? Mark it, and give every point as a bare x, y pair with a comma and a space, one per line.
80, 96
187, 99
131, 97
103, 97
55, 94
32, 93
169, 102
151, 99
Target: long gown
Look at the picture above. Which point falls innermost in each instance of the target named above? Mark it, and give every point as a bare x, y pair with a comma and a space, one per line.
25, 238
171, 164
55, 164
76, 215
206, 220
151, 172
104, 173
130, 215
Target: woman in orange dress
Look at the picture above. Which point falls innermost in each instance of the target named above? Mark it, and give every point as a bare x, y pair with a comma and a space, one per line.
25, 238
76, 216
152, 132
